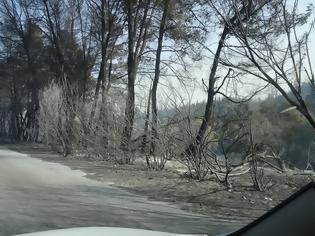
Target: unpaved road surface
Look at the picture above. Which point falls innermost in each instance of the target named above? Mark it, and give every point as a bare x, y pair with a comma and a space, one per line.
36, 195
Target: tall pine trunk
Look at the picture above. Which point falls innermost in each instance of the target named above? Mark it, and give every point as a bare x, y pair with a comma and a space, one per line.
102, 71
157, 76
146, 124
210, 98
130, 103
132, 72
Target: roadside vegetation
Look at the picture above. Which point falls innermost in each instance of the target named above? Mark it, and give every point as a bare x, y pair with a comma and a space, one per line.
219, 89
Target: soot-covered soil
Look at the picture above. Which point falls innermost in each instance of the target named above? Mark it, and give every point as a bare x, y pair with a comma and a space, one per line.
240, 203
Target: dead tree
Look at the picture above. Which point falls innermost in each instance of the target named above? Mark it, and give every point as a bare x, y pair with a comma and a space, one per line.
52, 14
138, 17
25, 30
256, 172
146, 123
239, 12
272, 51
157, 74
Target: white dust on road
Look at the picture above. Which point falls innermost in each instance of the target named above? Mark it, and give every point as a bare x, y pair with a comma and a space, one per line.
20, 169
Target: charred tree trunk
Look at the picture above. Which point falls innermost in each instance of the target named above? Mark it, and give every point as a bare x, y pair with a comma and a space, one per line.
62, 81
100, 78
146, 124
130, 103
240, 16
157, 76
33, 86
103, 118
137, 38
132, 72
211, 93
98, 87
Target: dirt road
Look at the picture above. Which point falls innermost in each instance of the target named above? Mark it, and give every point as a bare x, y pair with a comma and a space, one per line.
36, 195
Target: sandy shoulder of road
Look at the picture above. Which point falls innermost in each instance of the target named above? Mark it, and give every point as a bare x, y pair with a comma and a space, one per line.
206, 197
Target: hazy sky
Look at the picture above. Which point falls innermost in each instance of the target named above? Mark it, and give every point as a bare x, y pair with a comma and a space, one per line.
202, 70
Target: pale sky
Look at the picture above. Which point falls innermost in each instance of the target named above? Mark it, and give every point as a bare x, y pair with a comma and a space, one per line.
200, 71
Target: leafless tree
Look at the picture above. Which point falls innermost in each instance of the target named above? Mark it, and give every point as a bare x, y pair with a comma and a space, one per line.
273, 49
237, 13
157, 72
180, 23
24, 31
138, 15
